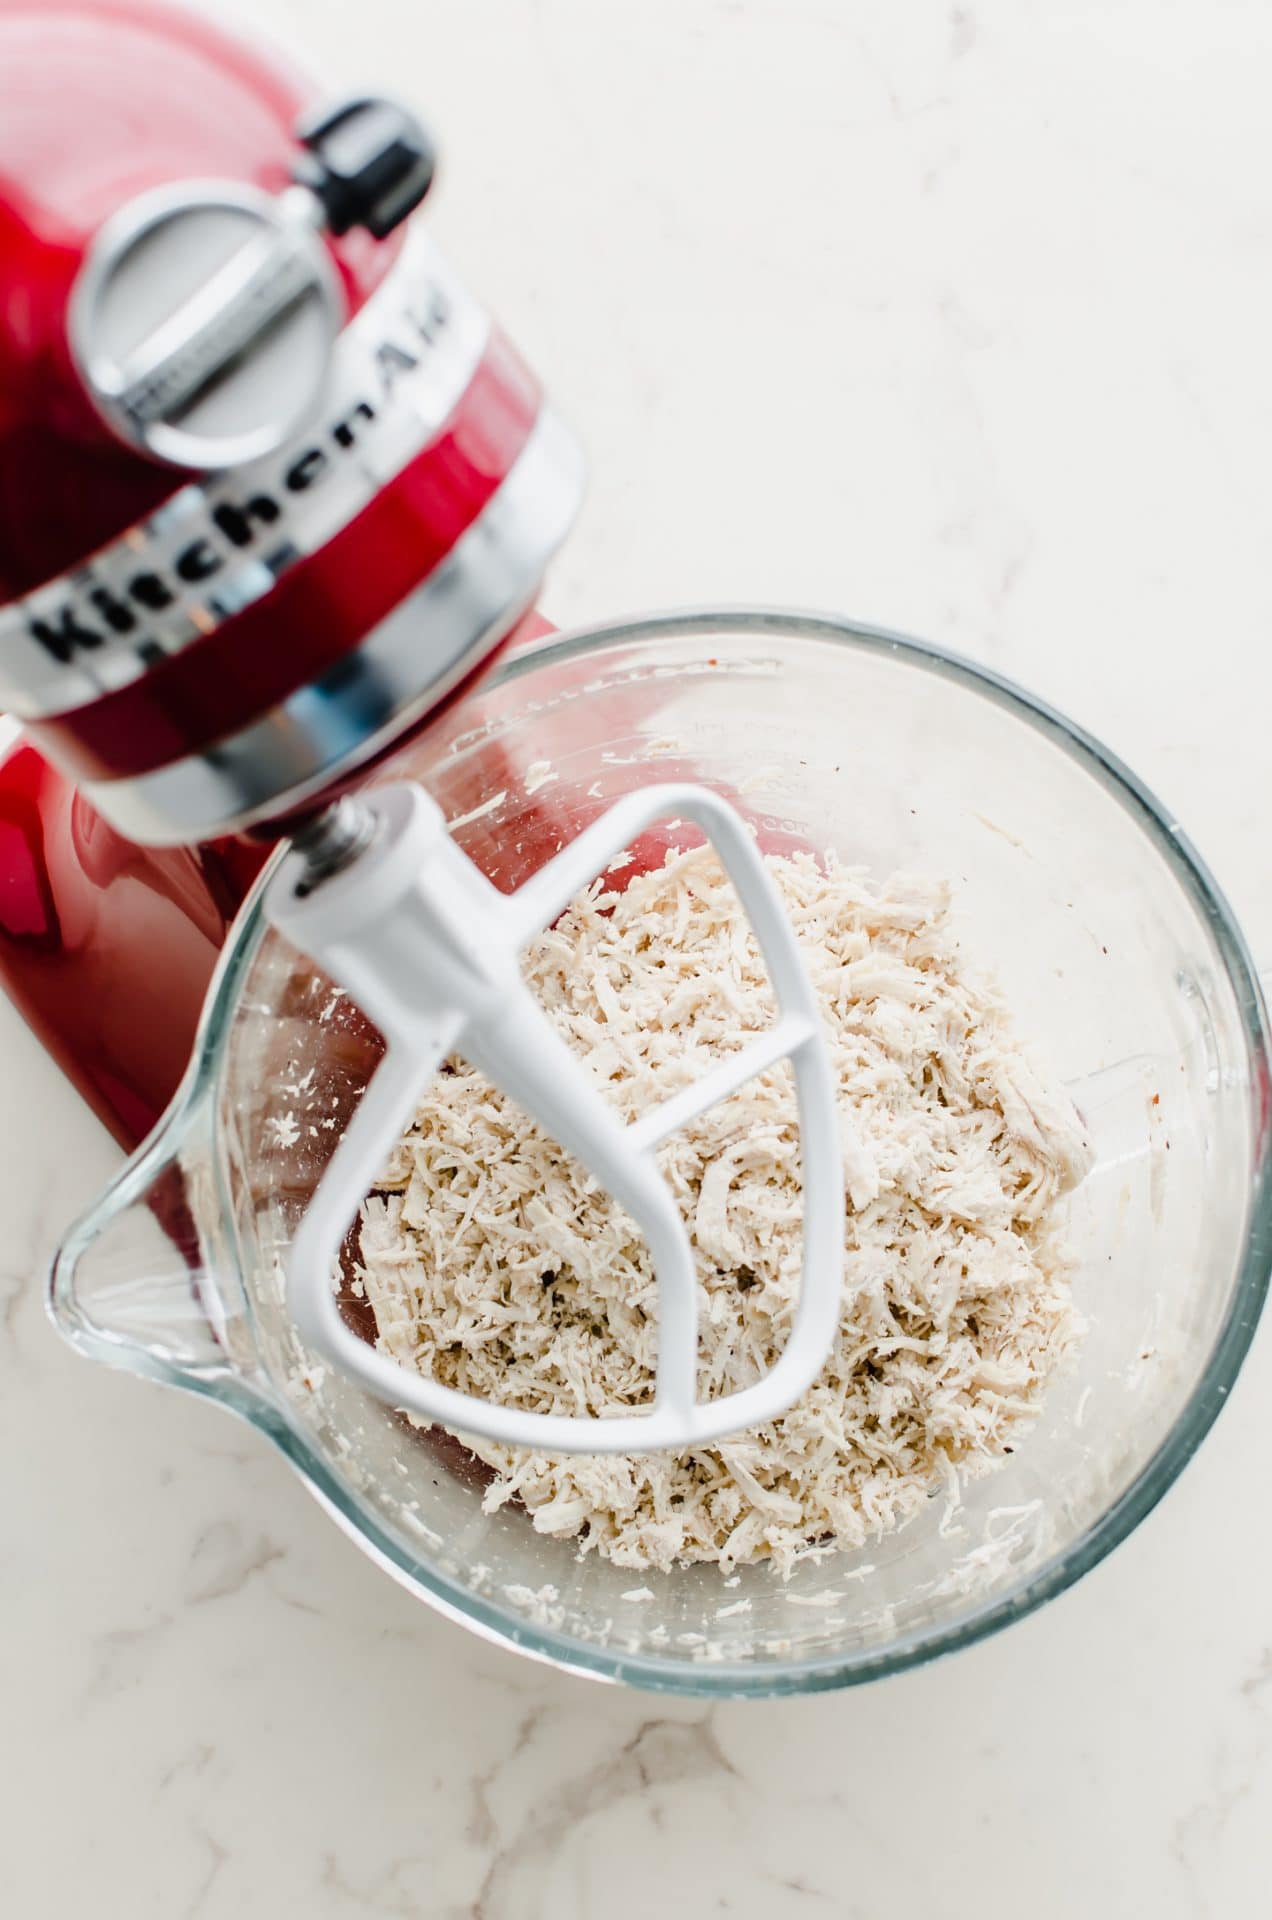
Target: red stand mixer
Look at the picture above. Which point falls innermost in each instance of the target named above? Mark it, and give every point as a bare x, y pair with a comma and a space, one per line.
124, 669
275, 491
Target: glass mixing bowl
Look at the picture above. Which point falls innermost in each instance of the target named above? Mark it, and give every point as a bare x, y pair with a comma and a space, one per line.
1118, 956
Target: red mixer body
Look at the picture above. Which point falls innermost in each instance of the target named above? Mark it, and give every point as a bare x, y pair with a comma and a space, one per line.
107, 948
107, 941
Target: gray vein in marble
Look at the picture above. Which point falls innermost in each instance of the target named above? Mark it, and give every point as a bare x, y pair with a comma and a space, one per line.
963, 31
1236, 1758
218, 1854
385, 1892
120, 1657
12, 1291
1253, 1685
482, 1827
659, 1753
222, 1561
187, 1766
797, 1883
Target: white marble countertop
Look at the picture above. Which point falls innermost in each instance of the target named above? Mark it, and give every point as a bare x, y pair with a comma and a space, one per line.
955, 318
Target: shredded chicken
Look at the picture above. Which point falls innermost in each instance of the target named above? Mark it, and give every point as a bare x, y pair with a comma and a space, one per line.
494, 1264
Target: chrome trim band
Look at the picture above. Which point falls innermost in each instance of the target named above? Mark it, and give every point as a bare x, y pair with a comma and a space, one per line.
404, 666
398, 371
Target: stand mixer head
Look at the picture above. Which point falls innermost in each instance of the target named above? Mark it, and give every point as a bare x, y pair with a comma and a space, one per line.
364, 506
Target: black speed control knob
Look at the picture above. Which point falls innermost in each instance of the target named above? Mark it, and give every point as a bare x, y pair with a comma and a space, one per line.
369, 162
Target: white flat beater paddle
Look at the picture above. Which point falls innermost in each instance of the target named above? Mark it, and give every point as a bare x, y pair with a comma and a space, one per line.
398, 916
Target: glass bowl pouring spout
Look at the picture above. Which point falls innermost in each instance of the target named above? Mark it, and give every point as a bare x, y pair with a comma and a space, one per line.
145, 1281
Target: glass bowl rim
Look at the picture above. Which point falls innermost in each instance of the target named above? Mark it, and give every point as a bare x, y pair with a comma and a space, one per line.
825, 1672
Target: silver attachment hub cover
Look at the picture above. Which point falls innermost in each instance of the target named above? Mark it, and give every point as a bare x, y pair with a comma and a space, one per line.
203, 320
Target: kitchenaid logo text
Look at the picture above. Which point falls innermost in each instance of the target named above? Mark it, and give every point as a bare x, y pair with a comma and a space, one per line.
222, 526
